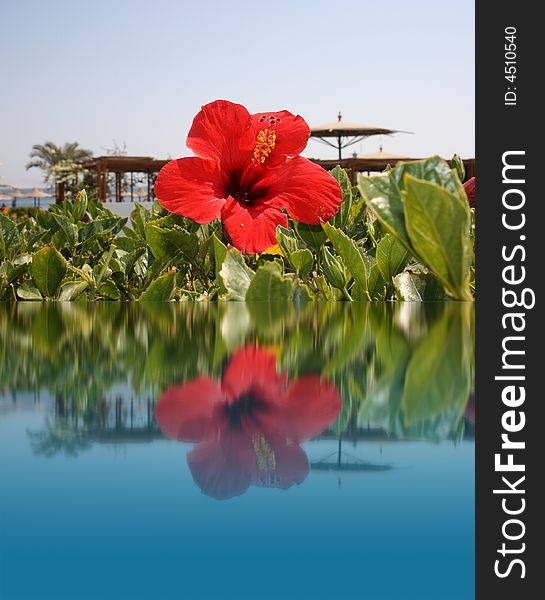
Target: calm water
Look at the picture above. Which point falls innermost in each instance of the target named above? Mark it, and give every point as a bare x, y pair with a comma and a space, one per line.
232, 451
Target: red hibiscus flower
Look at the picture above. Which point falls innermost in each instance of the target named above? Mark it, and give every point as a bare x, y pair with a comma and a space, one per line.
469, 187
247, 427
247, 170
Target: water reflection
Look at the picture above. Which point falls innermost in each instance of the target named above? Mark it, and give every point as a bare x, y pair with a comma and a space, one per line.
249, 425
247, 384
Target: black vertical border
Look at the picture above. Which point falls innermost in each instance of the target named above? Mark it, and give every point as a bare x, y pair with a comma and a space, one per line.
501, 128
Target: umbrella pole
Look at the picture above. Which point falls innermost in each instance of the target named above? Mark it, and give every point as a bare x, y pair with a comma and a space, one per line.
340, 148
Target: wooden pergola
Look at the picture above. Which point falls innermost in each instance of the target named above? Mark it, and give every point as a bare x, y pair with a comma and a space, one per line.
121, 166
377, 165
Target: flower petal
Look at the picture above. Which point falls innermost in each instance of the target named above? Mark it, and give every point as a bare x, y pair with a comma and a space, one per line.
469, 187
223, 468
308, 192
222, 131
252, 228
192, 187
253, 370
310, 405
187, 412
292, 134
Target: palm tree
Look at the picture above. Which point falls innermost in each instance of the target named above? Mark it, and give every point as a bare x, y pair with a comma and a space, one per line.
59, 163
45, 156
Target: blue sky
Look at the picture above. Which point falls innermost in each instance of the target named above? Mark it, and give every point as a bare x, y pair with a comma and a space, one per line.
138, 71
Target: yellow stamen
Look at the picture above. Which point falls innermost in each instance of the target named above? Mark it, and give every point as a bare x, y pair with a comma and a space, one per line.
264, 454
266, 140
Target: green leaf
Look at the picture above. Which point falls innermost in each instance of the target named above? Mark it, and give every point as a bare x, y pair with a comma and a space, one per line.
392, 257
342, 178
334, 270
358, 293
434, 170
358, 210
418, 287
383, 192
139, 218
45, 219
312, 235
384, 197
220, 251
104, 267
110, 290
28, 291
72, 290
68, 228
376, 285
324, 287
287, 240
236, 275
302, 293
438, 224
269, 285
9, 235
127, 242
302, 261
48, 270
167, 244
131, 258
38, 235
97, 227
349, 252
161, 289
58, 239
14, 270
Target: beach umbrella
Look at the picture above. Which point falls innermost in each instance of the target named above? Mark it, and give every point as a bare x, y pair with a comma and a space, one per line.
37, 193
345, 133
339, 461
140, 193
137, 193
14, 194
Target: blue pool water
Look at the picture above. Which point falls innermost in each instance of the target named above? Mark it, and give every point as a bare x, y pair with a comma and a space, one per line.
144, 453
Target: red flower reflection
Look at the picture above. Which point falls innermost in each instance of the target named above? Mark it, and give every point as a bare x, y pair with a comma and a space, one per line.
469, 412
469, 187
247, 170
247, 427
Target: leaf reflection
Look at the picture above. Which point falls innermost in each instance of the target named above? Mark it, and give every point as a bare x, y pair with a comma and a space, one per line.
403, 371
